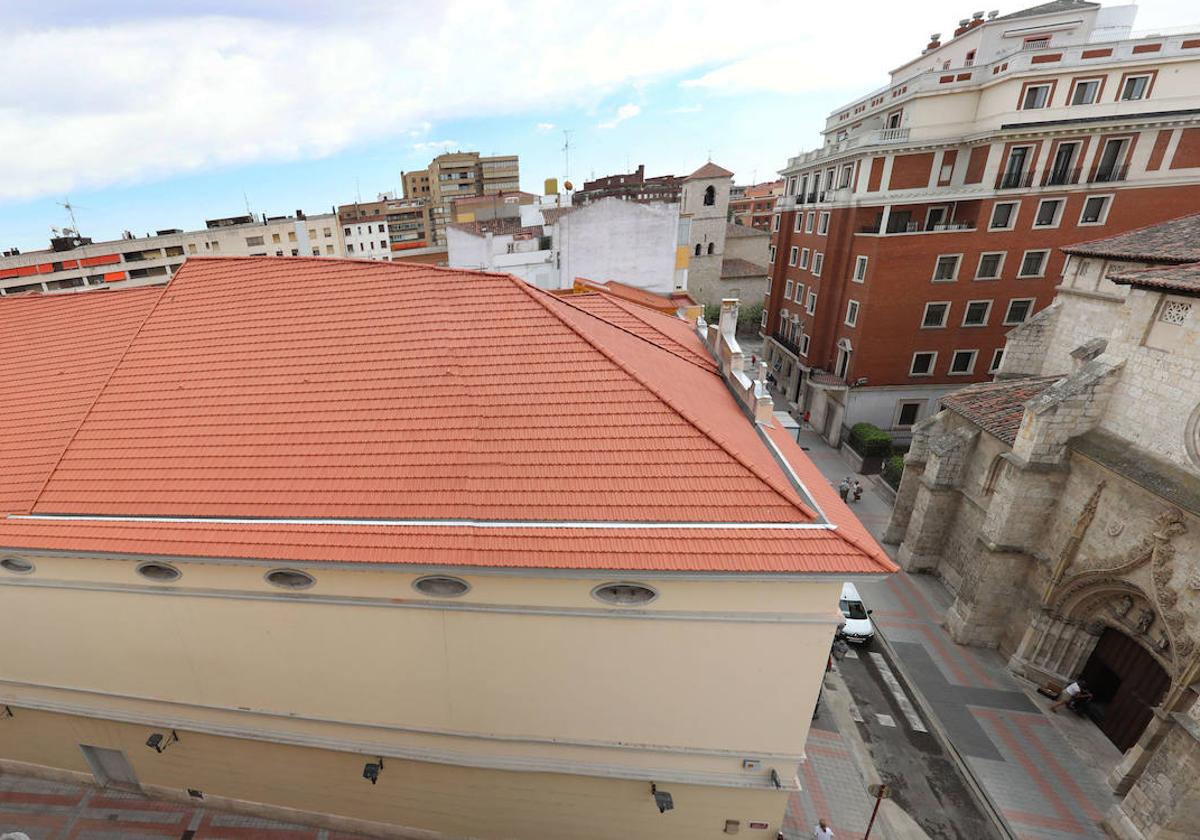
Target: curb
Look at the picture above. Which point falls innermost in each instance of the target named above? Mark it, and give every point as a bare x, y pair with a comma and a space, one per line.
977, 791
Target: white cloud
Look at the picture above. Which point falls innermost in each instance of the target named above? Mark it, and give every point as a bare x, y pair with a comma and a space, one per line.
436, 146
625, 112
544, 127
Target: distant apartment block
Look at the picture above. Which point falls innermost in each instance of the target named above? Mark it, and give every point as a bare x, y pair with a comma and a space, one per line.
76, 263
754, 205
633, 186
929, 223
385, 229
457, 175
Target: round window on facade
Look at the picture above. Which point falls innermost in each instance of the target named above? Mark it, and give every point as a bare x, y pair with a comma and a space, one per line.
159, 572
441, 586
16, 565
624, 594
290, 579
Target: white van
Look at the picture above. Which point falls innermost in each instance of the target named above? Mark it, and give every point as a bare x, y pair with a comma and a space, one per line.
858, 627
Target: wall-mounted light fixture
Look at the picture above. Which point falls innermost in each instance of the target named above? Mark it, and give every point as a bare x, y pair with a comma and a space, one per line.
159, 743
371, 771
662, 799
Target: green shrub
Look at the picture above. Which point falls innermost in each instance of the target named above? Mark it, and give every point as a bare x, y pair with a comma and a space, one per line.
870, 441
749, 318
893, 468
712, 313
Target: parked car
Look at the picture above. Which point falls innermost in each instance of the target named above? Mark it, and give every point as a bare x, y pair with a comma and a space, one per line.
858, 627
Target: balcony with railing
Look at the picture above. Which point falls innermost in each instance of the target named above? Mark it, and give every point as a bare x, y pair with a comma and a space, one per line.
1109, 174
1061, 177
786, 343
1014, 180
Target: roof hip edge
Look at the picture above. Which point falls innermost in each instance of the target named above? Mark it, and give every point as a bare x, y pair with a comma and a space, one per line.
784, 492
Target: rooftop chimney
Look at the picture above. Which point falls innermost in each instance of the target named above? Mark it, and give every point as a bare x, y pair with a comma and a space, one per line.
962, 27
934, 41
722, 343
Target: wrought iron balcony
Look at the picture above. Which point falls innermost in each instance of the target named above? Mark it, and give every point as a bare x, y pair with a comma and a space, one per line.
786, 343
1109, 174
1014, 180
1061, 177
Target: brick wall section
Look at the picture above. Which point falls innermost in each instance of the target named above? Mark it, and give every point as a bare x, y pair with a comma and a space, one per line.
1161, 141
910, 171
876, 177
1187, 152
976, 164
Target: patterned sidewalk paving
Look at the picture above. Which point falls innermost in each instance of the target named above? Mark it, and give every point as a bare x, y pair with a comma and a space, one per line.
56, 811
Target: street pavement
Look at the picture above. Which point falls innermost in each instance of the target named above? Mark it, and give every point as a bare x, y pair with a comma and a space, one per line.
1017, 752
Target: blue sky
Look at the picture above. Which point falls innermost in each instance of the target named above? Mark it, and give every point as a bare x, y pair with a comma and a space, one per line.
151, 115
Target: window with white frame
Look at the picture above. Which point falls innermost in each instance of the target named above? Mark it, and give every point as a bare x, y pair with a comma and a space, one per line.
1085, 91
775, 222
793, 255
1095, 210
945, 270
799, 296
936, 313
805, 340
808, 222
1049, 212
907, 413
791, 188
851, 313
1004, 215
976, 313
818, 263
1135, 87
1018, 311
1033, 264
787, 290
804, 254
811, 309
1036, 96
799, 221
860, 269
823, 224
771, 255
923, 362
763, 324
847, 174
962, 363
991, 264
997, 358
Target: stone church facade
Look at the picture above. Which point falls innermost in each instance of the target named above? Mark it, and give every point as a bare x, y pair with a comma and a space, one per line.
1061, 504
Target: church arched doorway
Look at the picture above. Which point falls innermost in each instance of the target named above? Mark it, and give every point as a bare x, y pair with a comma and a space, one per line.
1127, 683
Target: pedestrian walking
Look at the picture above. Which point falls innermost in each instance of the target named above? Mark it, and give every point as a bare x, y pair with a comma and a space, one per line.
858, 490
822, 831
844, 488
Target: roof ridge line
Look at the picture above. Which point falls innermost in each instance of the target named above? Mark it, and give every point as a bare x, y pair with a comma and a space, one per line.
616, 301
103, 387
774, 485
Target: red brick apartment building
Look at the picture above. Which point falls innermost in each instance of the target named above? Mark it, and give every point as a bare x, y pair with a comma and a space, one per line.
754, 206
632, 186
930, 221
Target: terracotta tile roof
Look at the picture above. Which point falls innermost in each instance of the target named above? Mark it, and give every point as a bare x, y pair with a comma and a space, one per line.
710, 170
633, 294
408, 414
738, 231
998, 407
58, 350
735, 267
497, 226
1171, 278
553, 214
665, 331
1176, 241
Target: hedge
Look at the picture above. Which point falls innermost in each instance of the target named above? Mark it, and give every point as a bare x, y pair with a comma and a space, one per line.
870, 441
893, 468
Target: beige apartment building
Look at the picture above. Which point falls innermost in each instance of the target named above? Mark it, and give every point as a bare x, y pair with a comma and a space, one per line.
455, 175
76, 263
359, 544
386, 229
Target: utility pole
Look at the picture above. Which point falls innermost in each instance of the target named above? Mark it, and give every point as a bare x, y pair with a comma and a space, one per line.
566, 154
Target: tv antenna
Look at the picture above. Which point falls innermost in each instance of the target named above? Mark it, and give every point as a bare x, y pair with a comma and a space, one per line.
246, 199
566, 154
70, 208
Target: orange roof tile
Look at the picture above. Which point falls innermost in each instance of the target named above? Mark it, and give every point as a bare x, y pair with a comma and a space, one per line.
331, 390
710, 170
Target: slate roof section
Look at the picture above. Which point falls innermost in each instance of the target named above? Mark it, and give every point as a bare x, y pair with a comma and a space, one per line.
735, 267
1183, 279
357, 411
59, 350
1176, 241
709, 170
1050, 8
998, 407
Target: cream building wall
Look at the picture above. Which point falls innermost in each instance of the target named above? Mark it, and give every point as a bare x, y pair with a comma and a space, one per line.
496, 713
